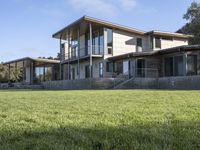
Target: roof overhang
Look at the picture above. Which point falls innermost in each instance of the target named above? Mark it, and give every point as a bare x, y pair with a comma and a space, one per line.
158, 52
169, 34
41, 60
86, 19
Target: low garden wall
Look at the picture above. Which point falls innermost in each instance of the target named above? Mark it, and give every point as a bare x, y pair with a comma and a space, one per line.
102, 83
182, 83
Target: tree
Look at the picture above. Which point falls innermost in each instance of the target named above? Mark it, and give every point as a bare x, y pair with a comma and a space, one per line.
4, 77
16, 74
193, 26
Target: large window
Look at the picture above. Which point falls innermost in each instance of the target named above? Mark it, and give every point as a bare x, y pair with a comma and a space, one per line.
110, 40
100, 69
192, 65
178, 64
97, 42
125, 67
169, 66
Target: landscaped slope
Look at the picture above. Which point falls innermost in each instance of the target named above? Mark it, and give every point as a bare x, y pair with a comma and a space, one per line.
132, 119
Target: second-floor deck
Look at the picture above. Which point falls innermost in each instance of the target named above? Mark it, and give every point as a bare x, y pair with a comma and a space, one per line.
76, 53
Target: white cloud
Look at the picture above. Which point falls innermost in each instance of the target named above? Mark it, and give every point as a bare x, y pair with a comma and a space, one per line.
94, 6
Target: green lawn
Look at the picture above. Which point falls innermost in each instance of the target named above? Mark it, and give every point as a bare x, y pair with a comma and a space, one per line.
130, 119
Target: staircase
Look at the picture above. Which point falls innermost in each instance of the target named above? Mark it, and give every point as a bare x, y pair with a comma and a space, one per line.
118, 86
120, 80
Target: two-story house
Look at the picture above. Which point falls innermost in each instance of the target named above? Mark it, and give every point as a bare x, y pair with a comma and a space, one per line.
95, 48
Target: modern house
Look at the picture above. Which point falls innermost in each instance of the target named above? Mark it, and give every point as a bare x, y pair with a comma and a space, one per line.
100, 54
93, 48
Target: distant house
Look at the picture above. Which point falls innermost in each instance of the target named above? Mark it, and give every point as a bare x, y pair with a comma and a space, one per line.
93, 48
35, 70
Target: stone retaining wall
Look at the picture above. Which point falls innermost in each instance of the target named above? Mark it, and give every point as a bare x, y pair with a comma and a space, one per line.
182, 83
104, 83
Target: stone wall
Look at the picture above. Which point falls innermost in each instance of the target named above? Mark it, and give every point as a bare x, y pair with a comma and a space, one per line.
104, 83
181, 83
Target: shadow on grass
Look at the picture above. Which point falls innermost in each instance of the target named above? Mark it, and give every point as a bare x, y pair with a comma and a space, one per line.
175, 135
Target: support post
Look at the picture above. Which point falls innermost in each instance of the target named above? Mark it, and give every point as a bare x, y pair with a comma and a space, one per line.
68, 68
16, 72
61, 57
9, 71
23, 72
44, 73
90, 26
78, 34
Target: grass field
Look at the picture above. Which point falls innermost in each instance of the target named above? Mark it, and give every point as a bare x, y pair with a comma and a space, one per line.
132, 119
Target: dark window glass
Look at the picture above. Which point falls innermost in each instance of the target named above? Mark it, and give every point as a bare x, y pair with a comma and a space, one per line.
169, 66
101, 41
73, 73
191, 65
110, 41
157, 42
139, 42
87, 71
109, 50
141, 68
95, 43
139, 45
109, 67
178, 64
109, 37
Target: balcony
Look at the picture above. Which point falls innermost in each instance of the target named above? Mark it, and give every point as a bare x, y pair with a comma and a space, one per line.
75, 53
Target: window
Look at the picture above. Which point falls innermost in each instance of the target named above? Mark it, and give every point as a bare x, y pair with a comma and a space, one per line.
169, 66
178, 64
63, 45
87, 71
139, 45
97, 42
73, 73
101, 41
157, 42
109, 67
125, 67
141, 68
192, 65
100, 69
109, 40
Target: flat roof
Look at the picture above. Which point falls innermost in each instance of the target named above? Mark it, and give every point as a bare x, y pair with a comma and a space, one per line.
33, 59
117, 26
171, 34
157, 52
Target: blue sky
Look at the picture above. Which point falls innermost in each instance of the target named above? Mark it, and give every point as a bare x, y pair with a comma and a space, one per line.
26, 26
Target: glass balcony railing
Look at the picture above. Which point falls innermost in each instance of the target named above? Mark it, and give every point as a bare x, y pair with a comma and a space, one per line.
76, 53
